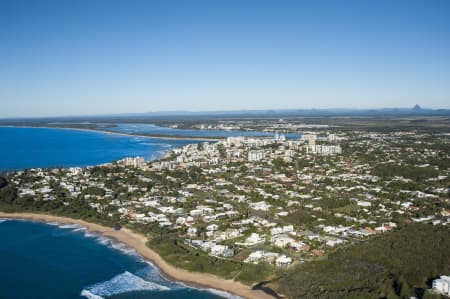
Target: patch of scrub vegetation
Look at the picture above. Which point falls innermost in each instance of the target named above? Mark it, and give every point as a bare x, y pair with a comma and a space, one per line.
394, 265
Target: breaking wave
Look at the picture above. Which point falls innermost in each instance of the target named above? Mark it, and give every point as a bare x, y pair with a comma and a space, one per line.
118, 246
69, 226
89, 295
119, 284
3, 220
89, 235
152, 273
73, 227
98, 237
81, 228
54, 223
111, 243
147, 279
103, 240
125, 249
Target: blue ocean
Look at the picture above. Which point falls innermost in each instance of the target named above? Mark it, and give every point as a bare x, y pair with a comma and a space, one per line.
43, 147
50, 261
40, 260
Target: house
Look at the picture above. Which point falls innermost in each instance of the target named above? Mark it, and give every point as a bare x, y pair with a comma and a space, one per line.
442, 285
253, 239
260, 255
192, 232
280, 230
363, 203
332, 243
281, 240
212, 227
260, 206
221, 250
299, 246
283, 261
254, 257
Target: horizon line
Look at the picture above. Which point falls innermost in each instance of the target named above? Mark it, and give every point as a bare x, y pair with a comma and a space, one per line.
230, 111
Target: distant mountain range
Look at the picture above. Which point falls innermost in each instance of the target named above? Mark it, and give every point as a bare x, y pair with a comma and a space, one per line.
415, 111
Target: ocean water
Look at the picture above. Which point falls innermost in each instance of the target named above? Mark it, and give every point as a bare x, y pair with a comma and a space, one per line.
42, 147
39, 260
153, 129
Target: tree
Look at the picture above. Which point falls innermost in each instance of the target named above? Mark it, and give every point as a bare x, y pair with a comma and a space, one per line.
8, 192
3, 182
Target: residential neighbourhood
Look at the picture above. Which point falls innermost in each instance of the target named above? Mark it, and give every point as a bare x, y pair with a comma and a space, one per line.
274, 200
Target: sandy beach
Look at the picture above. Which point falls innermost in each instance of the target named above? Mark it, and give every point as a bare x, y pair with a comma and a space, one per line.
138, 242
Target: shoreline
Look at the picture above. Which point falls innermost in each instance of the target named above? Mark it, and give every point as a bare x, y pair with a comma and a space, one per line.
138, 242
175, 137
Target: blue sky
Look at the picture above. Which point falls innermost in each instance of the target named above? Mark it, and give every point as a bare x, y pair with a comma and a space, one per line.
85, 57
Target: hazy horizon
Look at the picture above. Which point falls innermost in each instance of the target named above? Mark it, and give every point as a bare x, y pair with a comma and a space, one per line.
62, 58
236, 111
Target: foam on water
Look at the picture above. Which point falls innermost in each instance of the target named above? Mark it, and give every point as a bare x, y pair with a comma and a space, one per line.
125, 249
69, 226
110, 243
54, 223
118, 246
3, 220
152, 273
89, 235
89, 295
119, 284
104, 240
81, 228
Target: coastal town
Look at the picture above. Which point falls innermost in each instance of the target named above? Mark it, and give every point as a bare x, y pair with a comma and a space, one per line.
266, 200
225, 149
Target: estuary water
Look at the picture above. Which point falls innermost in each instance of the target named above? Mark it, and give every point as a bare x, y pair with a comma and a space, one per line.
47, 147
46, 261
165, 131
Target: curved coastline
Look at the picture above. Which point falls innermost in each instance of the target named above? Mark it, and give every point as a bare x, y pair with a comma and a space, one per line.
138, 242
174, 137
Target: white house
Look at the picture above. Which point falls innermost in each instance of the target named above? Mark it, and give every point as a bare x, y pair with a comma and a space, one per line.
283, 260
221, 250
260, 255
442, 285
253, 239
281, 240
260, 206
192, 232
